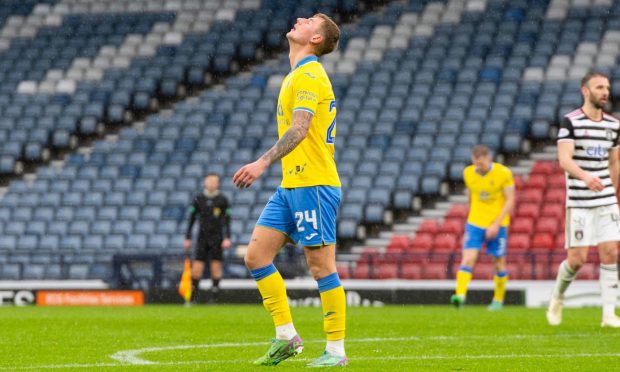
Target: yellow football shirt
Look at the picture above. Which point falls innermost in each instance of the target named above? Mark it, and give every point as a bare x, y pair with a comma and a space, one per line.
486, 193
312, 162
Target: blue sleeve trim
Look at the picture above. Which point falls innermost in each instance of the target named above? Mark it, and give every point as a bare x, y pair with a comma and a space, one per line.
467, 269
501, 274
329, 282
263, 272
303, 109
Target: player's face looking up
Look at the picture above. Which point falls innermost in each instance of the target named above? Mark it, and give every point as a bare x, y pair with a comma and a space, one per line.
481, 162
212, 183
306, 30
596, 92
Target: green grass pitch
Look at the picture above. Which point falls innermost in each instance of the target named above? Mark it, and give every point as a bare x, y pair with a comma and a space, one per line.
228, 338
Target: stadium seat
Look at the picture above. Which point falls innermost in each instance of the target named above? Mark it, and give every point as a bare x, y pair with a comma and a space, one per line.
433, 270
454, 225
522, 225
518, 243
422, 242
398, 242
445, 242
412, 271
385, 271
528, 210
547, 225
543, 241
457, 211
429, 226
361, 271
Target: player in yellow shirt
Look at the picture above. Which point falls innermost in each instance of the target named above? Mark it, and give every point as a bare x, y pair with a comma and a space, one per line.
491, 199
304, 207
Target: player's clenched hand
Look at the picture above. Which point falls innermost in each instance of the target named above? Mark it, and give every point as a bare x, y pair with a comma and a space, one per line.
594, 183
226, 244
247, 174
491, 231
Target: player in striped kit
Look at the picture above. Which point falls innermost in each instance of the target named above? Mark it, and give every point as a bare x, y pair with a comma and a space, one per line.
588, 153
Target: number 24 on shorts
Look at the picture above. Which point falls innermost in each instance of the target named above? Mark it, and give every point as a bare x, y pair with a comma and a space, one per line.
309, 216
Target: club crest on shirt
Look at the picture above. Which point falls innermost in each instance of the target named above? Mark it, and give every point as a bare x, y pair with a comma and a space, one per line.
609, 134
217, 212
579, 234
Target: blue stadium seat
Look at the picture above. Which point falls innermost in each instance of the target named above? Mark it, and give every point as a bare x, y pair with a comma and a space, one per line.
373, 214
49, 242
71, 242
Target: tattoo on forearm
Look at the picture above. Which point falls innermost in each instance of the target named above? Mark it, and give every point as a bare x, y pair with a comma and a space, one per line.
291, 138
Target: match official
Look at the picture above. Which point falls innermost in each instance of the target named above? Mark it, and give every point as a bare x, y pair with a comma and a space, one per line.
213, 212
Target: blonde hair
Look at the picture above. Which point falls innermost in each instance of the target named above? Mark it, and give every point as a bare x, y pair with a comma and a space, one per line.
480, 150
331, 34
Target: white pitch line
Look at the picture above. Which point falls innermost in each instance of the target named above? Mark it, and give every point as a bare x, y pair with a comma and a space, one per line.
133, 356
300, 360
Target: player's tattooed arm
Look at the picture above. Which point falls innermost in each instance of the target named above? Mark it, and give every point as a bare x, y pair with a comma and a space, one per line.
291, 138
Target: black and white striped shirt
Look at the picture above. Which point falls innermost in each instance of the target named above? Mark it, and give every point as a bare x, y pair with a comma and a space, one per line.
593, 141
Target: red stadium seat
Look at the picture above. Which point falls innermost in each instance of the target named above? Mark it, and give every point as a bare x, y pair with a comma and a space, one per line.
531, 196
416, 257
514, 272
343, 270
429, 226
555, 195
554, 210
517, 257
445, 242
399, 241
369, 255
391, 257
530, 210
385, 271
396, 250
526, 271
484, 270
411, 271
362, 271
453, 226
422, 242
560, 240
543, 241
547, 225
458, 211
519, 182
543, 167
536, 181
522, 226
589, 271
556, 181
518, 242
435, 270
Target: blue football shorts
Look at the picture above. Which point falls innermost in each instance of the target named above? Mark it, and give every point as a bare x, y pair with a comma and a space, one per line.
306, 214
474, 239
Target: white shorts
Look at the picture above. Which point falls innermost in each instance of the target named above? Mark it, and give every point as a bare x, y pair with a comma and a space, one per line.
590, 226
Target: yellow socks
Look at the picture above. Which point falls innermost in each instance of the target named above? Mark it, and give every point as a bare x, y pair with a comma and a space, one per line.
500, 279
272, 289
463, 276
334, 304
